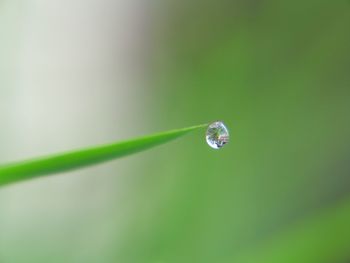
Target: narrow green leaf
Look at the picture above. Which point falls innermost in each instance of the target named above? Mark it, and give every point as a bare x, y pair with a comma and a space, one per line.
62, 162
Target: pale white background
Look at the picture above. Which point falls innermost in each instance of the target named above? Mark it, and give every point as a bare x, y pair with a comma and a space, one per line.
72, 74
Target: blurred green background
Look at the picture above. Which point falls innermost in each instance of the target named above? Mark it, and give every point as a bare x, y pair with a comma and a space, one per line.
78, 73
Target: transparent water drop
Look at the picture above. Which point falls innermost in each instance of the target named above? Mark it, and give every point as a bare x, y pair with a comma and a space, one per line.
217, 135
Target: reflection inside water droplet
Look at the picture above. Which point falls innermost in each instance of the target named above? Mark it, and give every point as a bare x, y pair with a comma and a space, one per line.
217, 135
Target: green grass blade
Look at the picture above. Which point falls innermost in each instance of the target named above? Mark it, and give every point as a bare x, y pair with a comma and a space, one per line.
62, 162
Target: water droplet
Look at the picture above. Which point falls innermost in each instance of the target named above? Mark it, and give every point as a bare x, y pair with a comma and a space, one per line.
217, 135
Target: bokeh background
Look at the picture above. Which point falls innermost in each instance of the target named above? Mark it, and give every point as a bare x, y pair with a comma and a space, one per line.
79, 73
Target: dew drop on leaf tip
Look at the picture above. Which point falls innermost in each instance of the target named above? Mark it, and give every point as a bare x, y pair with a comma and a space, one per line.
217, 135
